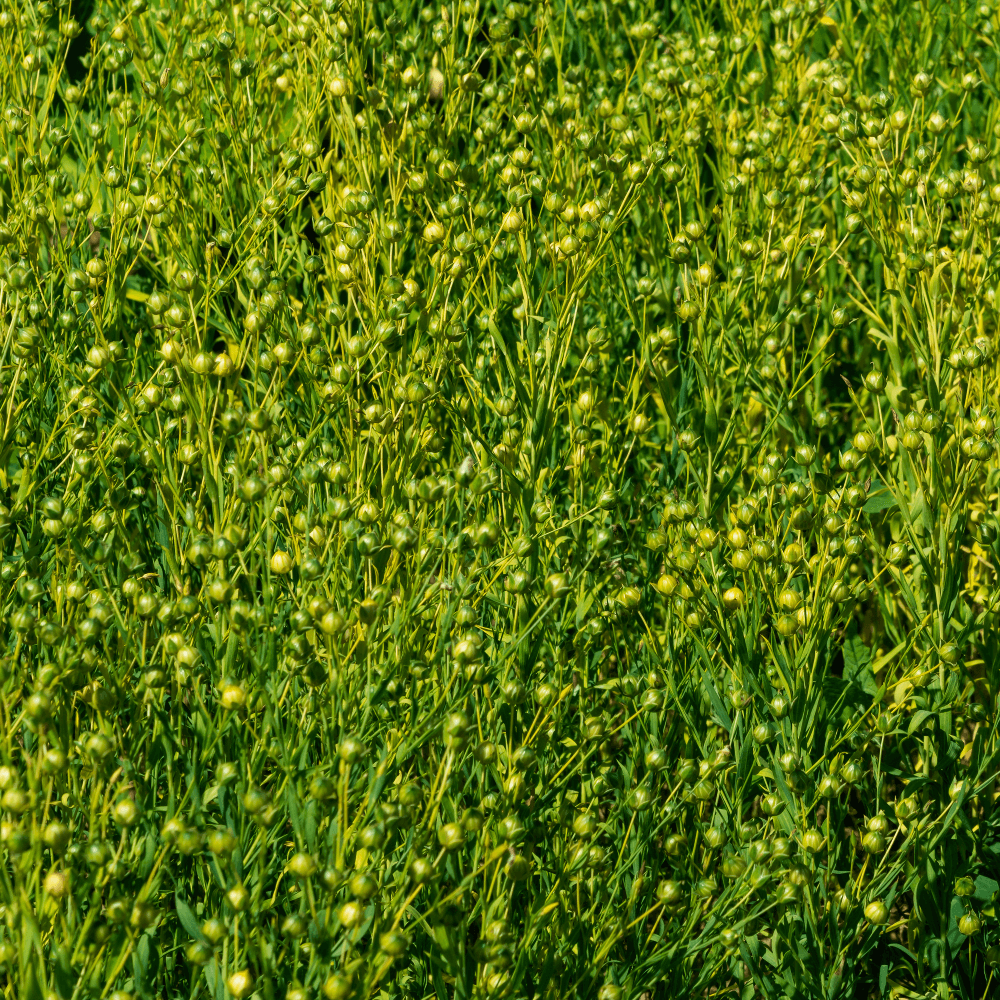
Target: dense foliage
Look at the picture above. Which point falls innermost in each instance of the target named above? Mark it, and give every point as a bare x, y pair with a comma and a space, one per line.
499, 500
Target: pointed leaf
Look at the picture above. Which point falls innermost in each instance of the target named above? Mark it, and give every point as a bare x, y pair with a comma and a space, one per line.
187, 918
721, 714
